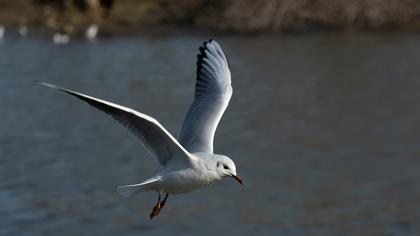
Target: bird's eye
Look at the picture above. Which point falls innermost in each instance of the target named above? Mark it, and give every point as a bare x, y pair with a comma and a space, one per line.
225, 167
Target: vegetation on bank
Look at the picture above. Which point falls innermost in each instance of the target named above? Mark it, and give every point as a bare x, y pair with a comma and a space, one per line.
225, 15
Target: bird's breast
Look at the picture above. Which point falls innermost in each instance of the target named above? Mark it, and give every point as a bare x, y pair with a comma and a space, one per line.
185, 181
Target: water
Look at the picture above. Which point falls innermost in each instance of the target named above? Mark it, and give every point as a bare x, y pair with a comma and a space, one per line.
323, 128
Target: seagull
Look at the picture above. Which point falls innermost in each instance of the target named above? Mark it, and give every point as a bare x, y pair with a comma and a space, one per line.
61, 38
2, 31
188, 163
23, 30
91, 32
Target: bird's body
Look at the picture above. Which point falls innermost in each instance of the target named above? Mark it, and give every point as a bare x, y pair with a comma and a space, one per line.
23, 30
2, 31
91, 32
183, 179
189, 162
61, 38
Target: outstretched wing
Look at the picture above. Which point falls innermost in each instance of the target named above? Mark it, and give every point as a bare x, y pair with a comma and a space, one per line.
213, 91
147, 130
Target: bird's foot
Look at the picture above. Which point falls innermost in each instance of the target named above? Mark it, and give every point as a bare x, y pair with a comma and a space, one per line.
158, 207
156, 210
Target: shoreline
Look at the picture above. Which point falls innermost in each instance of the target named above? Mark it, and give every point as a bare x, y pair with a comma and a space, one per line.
129, 17
12, 32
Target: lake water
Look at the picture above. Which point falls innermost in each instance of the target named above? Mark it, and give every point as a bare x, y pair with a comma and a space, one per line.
324, 129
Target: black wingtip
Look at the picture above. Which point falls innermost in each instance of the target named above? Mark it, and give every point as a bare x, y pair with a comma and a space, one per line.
202, 48
202, 53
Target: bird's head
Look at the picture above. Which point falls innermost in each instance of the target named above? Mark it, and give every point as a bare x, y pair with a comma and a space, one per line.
226, 168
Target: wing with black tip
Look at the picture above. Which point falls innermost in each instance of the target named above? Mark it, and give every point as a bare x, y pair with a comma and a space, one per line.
213, 91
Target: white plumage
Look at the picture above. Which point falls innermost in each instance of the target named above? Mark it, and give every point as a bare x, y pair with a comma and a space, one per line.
2, 31
23, 30
61, 38
91, 32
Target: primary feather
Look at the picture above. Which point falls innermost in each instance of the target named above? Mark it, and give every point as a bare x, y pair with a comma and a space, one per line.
147, 130
213, 91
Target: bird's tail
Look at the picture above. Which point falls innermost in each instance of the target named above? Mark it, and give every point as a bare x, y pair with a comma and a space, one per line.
129, 190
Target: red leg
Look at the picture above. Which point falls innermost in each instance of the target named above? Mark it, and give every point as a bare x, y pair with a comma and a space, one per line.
156, 208
161, 205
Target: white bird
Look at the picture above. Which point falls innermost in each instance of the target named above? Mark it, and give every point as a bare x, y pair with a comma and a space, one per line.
2, 31
23, 30
61, 38
189, 162
91, 32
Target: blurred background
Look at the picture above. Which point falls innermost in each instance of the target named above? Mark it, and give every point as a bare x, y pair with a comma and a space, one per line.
323, 124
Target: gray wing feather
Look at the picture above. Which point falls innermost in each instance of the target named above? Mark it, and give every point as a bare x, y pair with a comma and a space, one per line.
147, 130
213, 91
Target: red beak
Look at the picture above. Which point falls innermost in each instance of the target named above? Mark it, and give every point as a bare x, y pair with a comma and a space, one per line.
237, 178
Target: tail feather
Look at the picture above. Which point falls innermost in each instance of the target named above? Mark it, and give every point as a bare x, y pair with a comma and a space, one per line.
129, 190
